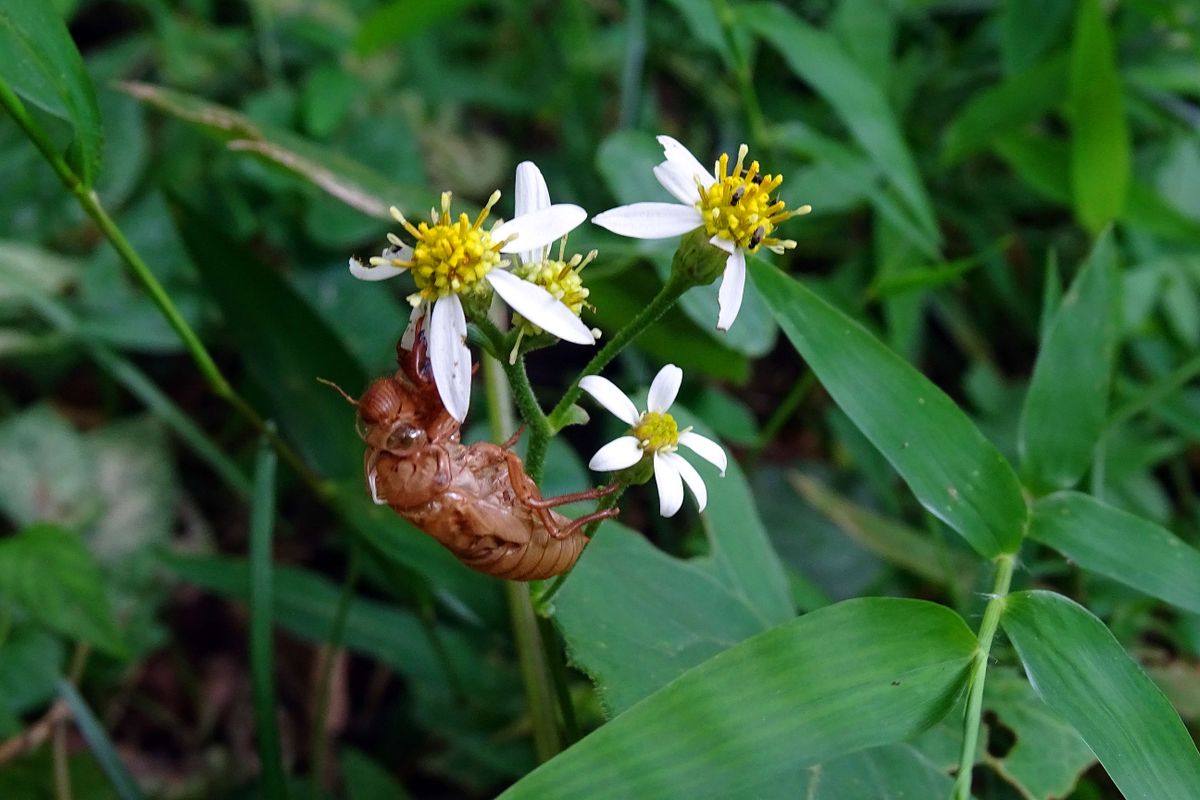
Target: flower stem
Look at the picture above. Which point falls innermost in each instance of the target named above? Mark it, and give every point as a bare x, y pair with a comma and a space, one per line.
987, 631
535, 670
666, 297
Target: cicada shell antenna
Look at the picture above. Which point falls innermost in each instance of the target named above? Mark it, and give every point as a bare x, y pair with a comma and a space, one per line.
340, 391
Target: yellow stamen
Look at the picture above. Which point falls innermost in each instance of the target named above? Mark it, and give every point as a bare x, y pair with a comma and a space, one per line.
738, 206
449, 256
657, 432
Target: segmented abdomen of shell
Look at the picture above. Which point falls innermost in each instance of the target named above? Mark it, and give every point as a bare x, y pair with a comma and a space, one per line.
540, 558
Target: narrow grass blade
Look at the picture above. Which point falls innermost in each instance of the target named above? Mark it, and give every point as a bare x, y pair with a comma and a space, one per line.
262, 662
99, 743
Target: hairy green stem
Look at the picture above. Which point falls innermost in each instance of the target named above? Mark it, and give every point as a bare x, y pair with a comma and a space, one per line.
535, 670
987, 632
666, 297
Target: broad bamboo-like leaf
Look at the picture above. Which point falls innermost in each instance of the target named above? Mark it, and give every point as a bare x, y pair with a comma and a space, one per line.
746, 722
1066, 406
1119, 545
1100, 158
817, 58
47, 573
1048, 756
40, 62
610, 609
1084, 675
952, 469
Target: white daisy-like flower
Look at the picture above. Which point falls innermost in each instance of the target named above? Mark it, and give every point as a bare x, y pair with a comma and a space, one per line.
455, 257
734, 208
654, 434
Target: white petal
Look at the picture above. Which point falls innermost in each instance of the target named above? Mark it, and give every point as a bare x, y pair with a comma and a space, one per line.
402, 253
664, 388
690, 477
681, 157
418, 317
531, 195
539, 228
449, 355
606, 393
540, 307
678, 182
380, 273
706, 448
650, 220
670, 487
617, 454
733, 284
721, 243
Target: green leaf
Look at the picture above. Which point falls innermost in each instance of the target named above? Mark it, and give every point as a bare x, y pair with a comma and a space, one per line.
997, 109
366, 779
955, 472
394, 22
305, 604
1048, 756
893, 541
609, 608
1042, 162
1084, 675
891, 772
1029, 29
351, 182
1100, 171
286, 347
39, 61
49, 575
843, 678
31, 661
262, 612
817, 58
1065, 409
1119, 545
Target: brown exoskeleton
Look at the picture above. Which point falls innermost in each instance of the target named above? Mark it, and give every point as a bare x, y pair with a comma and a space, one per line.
477, 500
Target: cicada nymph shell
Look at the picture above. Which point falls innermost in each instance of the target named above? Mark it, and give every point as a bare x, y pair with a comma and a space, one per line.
477, 500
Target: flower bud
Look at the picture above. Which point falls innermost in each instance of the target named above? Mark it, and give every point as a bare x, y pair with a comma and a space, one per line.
696, 262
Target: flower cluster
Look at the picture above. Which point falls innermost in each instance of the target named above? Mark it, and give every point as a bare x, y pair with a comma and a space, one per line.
459, 263
653, 434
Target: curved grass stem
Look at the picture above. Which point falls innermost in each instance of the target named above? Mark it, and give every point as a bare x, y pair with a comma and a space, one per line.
90, 203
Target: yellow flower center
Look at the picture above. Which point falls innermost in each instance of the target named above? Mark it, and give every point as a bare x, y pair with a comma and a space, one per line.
561, 279
739, 208
450, 256
657, 432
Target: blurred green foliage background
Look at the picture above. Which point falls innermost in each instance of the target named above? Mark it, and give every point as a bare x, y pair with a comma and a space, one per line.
960, 157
